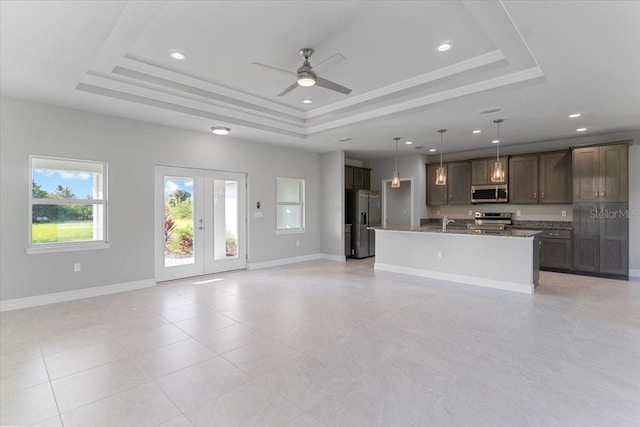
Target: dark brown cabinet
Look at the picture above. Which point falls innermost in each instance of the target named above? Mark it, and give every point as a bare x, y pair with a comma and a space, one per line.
555, 177
457, 190
523, 179
600, 174
556, 249
601, 210
481, 171
540, 178
601, 241
356, 178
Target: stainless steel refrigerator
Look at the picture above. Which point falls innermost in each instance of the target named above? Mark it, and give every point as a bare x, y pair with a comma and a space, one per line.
362, 211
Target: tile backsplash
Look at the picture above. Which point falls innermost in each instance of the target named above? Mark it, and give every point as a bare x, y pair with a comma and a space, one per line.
519, 212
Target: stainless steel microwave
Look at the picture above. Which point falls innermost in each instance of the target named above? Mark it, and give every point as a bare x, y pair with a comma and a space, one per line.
497, 193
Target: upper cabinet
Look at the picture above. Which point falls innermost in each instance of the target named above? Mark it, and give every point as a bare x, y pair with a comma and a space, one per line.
356, 178
481, 171
523, 179
555, 177
457, 190
600, 174
540, 178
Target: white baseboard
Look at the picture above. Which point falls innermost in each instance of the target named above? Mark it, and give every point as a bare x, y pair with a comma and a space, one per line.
634, 273
337, 258
17, 303
293, 260
469, 280
282, 261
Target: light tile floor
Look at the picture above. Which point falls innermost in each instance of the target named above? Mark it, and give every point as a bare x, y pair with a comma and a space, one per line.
328, 344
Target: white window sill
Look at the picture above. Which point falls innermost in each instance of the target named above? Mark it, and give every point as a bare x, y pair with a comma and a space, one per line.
47, 249
290, 231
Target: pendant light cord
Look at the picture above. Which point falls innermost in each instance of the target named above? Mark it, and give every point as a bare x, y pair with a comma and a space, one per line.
498, 147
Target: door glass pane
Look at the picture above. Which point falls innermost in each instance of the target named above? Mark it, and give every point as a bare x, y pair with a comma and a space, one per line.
178, 221
225, 219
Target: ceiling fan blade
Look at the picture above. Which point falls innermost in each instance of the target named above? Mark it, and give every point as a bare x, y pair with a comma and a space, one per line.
289, 89
330, 61
332, 86
271, 67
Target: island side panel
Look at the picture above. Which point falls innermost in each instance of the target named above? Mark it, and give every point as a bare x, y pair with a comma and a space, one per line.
500, 262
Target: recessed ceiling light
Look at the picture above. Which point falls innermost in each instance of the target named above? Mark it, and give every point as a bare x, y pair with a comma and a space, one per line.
581, 129
476, 131
575, 115
220, 130
408, 142
307, 101
495, 141
177, 55
445, 46
432, 150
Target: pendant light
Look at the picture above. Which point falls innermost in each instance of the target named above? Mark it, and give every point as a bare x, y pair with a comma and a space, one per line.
441, 173
395, 181
497, 174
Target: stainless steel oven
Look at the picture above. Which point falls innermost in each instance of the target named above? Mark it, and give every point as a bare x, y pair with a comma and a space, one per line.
497, 193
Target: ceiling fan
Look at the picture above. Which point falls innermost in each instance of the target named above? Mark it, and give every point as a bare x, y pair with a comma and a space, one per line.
306, 76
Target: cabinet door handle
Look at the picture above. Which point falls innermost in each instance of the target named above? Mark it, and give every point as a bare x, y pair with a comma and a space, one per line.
596, 194
602, 193
543, 194
535, 195
554, 234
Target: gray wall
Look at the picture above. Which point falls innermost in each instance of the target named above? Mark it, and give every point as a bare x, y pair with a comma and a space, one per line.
132, 149
412, 166
332, 203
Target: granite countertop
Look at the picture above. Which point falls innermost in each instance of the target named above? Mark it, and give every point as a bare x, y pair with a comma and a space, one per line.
453, 230
516, 224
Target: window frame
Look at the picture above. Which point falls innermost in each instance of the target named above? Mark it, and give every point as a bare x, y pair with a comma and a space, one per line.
68, 246
301, 204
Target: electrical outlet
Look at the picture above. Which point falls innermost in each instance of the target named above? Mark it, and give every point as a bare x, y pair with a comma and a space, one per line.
77, 267
518, 213
564, 213
440, 255
470, 212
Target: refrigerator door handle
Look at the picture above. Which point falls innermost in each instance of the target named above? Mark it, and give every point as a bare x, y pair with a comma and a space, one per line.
364, 218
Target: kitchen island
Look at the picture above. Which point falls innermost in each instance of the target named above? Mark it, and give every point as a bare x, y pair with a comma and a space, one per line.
507, 259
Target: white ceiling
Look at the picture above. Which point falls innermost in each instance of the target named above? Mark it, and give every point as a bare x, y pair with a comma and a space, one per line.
539, 60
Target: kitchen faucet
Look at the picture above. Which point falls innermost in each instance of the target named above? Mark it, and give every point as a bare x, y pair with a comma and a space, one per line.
445, 221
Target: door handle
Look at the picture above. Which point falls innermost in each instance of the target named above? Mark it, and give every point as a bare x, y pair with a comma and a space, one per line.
602, 193
596, 194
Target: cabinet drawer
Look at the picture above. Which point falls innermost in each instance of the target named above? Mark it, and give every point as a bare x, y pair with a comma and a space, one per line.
555, 234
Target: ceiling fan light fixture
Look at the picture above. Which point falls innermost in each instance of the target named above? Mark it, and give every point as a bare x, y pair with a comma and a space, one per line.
306, 77
220, 130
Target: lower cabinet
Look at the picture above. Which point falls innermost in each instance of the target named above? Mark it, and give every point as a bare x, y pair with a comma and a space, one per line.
601, 238
556, 249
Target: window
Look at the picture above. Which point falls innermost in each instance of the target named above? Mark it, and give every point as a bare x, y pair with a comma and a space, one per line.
289, 204
68, 204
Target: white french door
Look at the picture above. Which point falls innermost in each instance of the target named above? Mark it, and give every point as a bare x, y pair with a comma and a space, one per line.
200, 222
